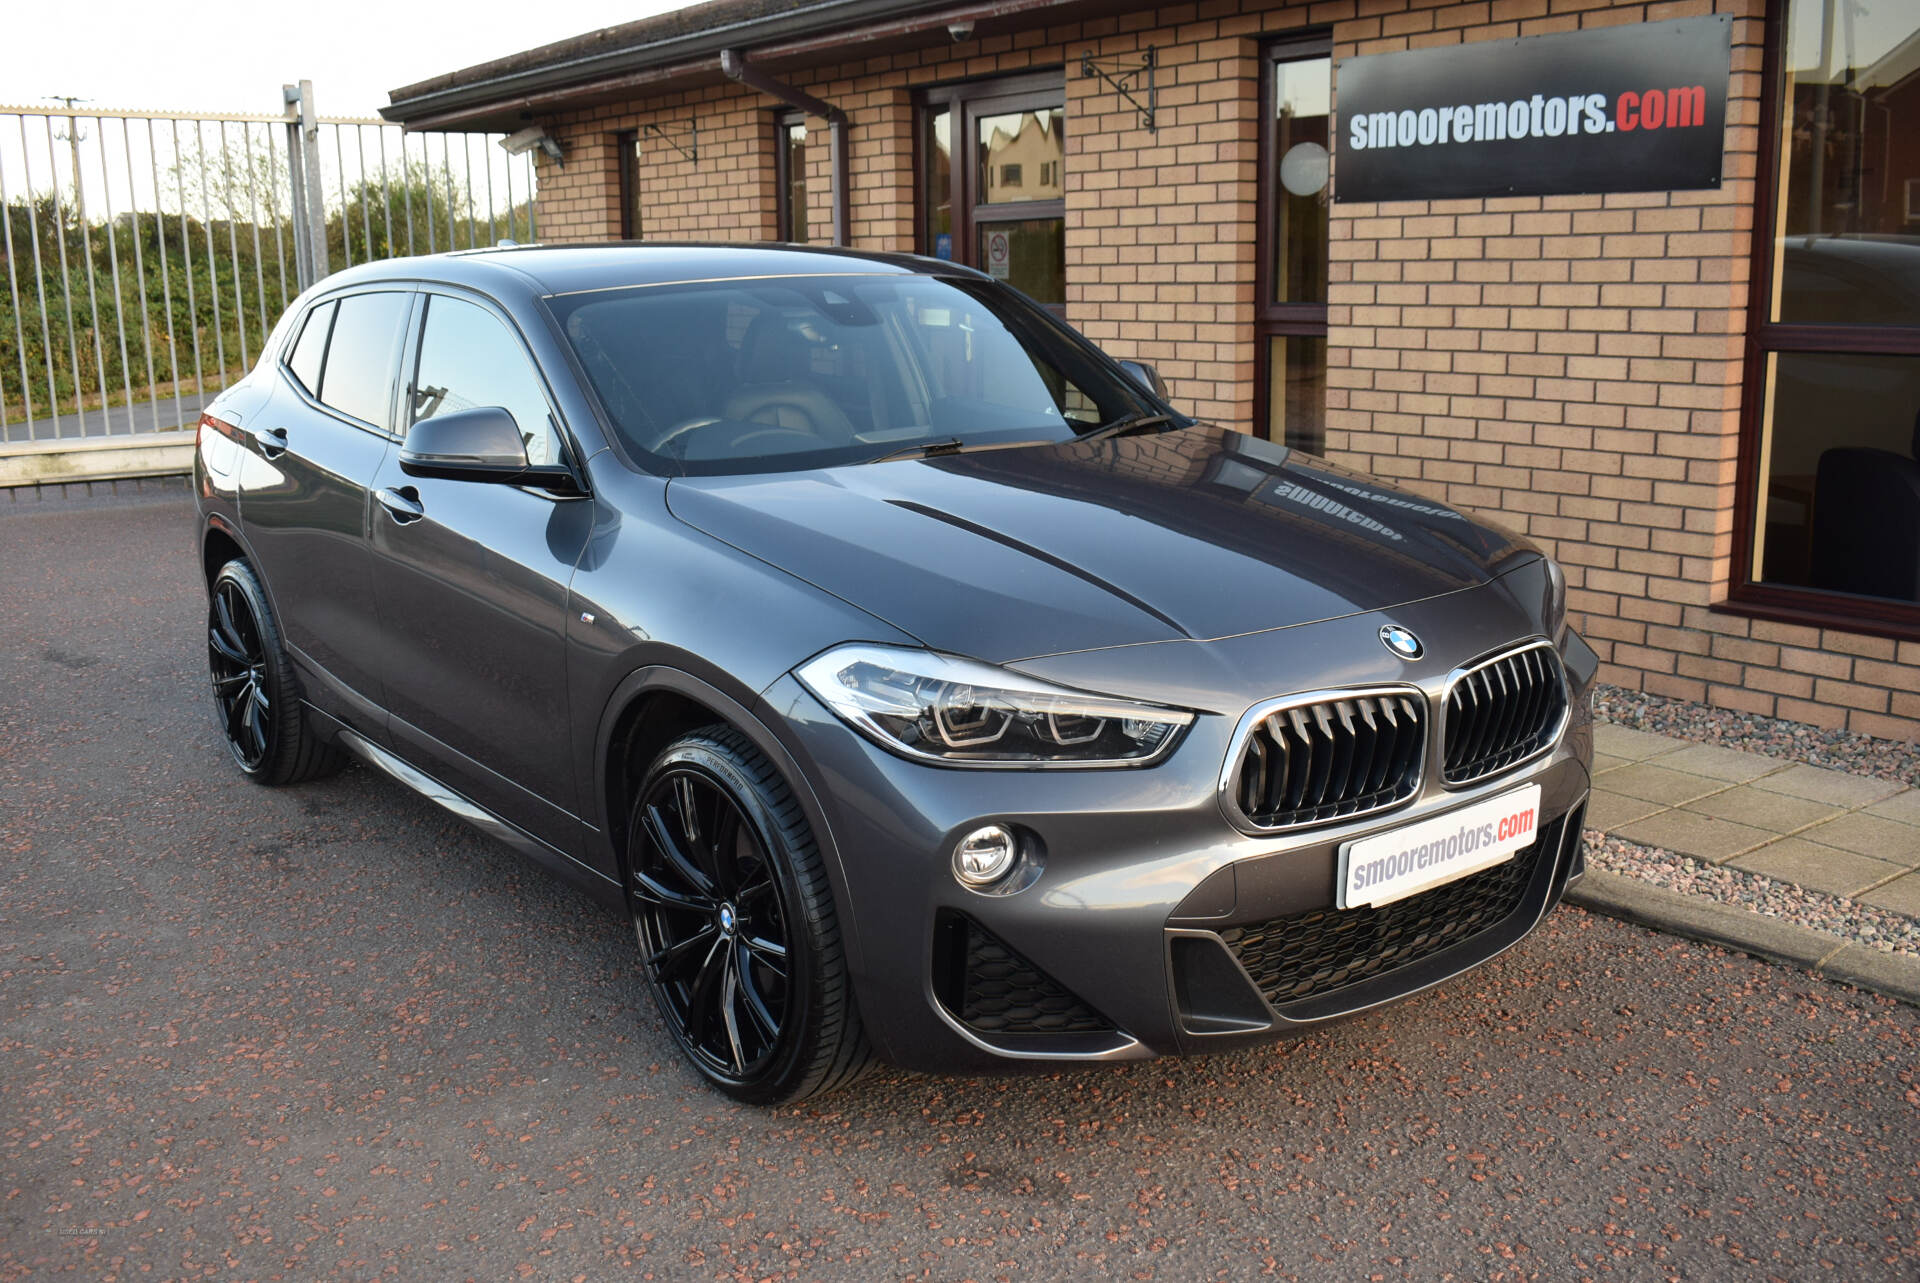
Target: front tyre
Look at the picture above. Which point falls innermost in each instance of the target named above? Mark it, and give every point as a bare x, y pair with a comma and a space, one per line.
736, 923
256, 698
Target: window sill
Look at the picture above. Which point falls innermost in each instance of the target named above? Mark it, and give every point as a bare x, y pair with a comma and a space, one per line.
1899, 621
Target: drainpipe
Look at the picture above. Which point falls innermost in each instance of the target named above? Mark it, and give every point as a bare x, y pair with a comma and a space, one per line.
734, 63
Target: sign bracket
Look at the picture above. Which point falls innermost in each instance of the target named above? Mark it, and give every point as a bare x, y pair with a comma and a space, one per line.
688, 127
1131, 78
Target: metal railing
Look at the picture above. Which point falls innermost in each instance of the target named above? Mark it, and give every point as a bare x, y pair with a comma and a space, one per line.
148, 254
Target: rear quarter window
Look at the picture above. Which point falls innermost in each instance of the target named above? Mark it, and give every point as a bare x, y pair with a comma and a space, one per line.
310, 349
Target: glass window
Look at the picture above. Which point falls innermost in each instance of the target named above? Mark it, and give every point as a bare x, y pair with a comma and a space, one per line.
626, 150
1302, 98
1848, 210
1019, 151
1831, 523
791, 139
311, 348
1030, 255
1297, 400
469, 358
756, 376
362, 355
938, 150
1291, 317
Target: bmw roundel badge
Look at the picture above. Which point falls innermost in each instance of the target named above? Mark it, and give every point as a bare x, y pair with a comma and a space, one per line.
1401, 642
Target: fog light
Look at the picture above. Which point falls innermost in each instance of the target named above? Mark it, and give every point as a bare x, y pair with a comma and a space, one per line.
985, 855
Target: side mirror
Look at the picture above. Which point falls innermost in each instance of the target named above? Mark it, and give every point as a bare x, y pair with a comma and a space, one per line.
481, 444
1147, 377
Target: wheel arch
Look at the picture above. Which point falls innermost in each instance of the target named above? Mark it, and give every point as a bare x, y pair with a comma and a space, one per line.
653, 707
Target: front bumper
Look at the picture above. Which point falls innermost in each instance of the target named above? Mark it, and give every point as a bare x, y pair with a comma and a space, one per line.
1154, 926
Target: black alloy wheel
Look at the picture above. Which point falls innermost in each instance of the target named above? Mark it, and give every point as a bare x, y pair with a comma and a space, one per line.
736, 924
256, 699
238, 663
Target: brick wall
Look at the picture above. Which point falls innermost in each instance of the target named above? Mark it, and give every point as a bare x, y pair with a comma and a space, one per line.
1570, 366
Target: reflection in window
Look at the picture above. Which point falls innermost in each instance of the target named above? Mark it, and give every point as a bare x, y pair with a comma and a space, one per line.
1849, 204
1297, 392
1302, 97
938, 151
626, 149
361, 356
792, 142
1019, 152
468, 358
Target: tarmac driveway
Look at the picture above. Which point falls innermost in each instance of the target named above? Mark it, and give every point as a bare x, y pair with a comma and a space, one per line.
329, 1032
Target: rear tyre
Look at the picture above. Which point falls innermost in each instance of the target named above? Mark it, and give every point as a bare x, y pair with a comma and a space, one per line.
737, 928
256, 697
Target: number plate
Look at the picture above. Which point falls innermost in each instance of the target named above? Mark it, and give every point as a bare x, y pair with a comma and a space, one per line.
1405, 861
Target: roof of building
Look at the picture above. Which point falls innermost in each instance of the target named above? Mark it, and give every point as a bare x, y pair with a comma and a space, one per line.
686, 41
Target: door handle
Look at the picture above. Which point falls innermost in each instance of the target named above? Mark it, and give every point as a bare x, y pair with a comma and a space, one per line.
272, 441
402, 504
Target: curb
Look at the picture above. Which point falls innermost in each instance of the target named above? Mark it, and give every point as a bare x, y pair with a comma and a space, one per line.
1617, 896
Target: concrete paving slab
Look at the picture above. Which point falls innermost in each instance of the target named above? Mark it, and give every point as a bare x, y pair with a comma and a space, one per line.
1636, 746
1816, 867
1701, 836
1654, 783
1604, 762
1902, 895
1818, 784
1904, 807
1777, 812
1608, 811
1717, 763
1882, 839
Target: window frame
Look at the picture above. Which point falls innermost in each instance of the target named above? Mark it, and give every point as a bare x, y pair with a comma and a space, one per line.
1273, 320
783, 124
968, 101
394, 372
626, 146
415, 343
1765, 337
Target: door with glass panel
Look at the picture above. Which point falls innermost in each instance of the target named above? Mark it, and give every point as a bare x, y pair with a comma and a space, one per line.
1290, 393
1829, 522
993, 183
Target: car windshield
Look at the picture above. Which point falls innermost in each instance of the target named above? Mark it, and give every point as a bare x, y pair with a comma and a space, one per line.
788, 373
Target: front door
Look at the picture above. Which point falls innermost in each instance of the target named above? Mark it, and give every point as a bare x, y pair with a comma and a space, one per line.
312, 451
471, 580
1296, 91
994, 181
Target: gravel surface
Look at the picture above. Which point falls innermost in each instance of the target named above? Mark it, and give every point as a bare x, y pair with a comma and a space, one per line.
1896, 760
1837, 915
329, 1032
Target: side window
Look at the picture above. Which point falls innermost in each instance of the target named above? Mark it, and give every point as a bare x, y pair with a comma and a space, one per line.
468, 358
361, 358
303, 361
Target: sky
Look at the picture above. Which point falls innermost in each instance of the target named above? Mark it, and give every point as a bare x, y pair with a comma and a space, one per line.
233, 55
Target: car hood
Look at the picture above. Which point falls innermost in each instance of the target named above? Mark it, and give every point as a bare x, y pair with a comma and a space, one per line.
1200, 533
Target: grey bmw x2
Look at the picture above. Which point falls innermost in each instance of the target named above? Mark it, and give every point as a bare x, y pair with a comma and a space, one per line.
919, 681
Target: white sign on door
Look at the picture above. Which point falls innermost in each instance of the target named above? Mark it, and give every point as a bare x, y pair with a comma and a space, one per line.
999, 255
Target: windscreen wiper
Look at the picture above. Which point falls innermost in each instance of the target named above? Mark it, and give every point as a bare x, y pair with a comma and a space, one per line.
954, 445
1126, 426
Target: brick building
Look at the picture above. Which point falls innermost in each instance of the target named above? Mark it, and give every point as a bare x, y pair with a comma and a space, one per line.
1714, 430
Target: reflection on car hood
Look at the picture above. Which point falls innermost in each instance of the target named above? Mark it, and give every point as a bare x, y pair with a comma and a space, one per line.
1008, 554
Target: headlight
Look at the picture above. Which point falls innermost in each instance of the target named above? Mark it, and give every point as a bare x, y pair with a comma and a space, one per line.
1556, 598
960, 712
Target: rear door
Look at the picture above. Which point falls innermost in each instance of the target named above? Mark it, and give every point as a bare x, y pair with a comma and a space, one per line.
311, 454
472, 581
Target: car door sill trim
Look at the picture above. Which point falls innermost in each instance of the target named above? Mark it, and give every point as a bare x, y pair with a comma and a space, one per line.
465, 808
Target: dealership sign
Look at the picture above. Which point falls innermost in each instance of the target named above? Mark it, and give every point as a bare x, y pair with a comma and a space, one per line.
1616, 109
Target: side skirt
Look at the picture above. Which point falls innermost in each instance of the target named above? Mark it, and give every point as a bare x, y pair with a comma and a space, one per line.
555, 861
